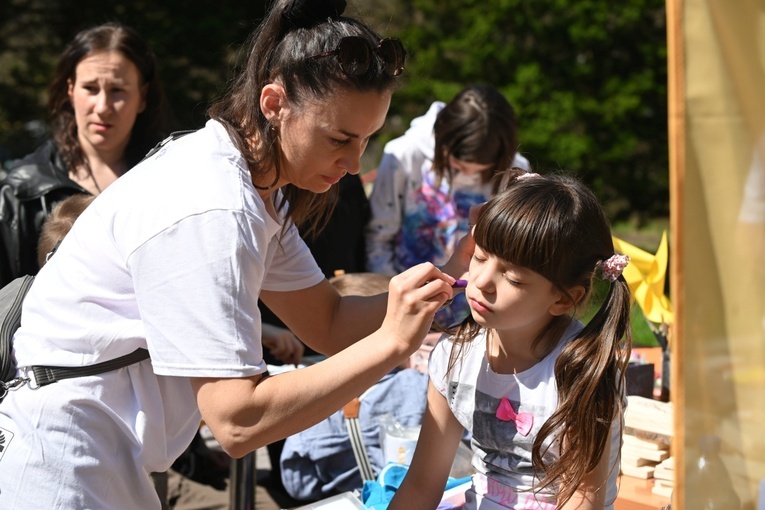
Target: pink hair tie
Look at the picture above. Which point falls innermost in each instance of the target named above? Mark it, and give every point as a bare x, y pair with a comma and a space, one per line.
612, 267
527, 175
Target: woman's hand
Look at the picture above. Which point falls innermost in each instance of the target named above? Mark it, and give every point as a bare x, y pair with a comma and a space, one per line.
282, 344
414, 296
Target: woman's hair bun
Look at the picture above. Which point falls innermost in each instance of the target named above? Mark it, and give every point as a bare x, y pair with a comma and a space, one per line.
307, 13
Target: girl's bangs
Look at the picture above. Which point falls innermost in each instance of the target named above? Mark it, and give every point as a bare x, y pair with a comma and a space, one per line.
524, 231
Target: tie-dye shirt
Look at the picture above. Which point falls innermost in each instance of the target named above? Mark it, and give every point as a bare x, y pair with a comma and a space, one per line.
436, 217
502, 446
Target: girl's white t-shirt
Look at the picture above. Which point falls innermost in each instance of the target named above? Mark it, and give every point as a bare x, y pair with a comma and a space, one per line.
502, 449
172, 257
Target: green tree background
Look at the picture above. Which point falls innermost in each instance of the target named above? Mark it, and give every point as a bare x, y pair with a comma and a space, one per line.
587, 78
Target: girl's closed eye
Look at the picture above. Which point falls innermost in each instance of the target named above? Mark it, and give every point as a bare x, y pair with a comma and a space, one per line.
479, 256
511, 279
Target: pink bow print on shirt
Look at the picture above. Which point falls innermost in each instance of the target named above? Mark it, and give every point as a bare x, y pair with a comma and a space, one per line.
523, 421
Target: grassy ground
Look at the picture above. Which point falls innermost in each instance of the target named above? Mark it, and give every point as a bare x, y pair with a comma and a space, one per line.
642, 335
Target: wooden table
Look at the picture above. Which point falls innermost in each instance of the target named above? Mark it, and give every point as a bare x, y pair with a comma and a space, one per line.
635, 494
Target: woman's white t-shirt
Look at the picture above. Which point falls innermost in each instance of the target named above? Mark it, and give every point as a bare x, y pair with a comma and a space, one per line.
172, 257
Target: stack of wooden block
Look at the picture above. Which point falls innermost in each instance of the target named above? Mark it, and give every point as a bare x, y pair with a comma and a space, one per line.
664, 477
646, 452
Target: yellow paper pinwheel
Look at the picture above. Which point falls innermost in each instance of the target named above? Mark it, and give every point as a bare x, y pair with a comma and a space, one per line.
645, 275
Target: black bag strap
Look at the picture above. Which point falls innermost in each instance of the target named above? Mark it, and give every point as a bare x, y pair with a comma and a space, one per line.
45, 374
11, 299
172, 136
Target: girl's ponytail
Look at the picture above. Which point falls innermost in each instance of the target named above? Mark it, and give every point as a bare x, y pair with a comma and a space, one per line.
591, 378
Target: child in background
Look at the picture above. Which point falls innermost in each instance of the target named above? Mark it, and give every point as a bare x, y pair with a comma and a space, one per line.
541, 393
429, 178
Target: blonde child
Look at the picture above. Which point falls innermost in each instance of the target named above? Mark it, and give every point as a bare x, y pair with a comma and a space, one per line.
541, 393
59, 223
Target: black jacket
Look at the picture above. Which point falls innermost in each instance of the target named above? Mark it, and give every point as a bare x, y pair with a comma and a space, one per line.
34, 184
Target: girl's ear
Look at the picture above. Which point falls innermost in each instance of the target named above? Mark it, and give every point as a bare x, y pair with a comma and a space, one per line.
564, 303
272, 102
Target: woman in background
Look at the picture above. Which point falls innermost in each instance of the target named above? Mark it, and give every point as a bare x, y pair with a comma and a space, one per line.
107, 109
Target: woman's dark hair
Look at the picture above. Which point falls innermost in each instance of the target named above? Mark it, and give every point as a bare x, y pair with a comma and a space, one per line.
555, 226
279, 50
150, 125
476, 126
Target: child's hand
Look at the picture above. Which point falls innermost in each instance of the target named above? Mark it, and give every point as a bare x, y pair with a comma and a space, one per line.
414, 297
282, 344
475, 210
458, 264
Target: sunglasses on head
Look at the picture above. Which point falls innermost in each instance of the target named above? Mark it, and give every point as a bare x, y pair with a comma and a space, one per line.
355, 55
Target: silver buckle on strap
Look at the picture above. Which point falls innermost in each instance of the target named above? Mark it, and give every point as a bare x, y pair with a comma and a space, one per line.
16, 383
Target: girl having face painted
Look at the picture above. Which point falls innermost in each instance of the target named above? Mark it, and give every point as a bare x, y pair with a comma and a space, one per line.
541, 393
